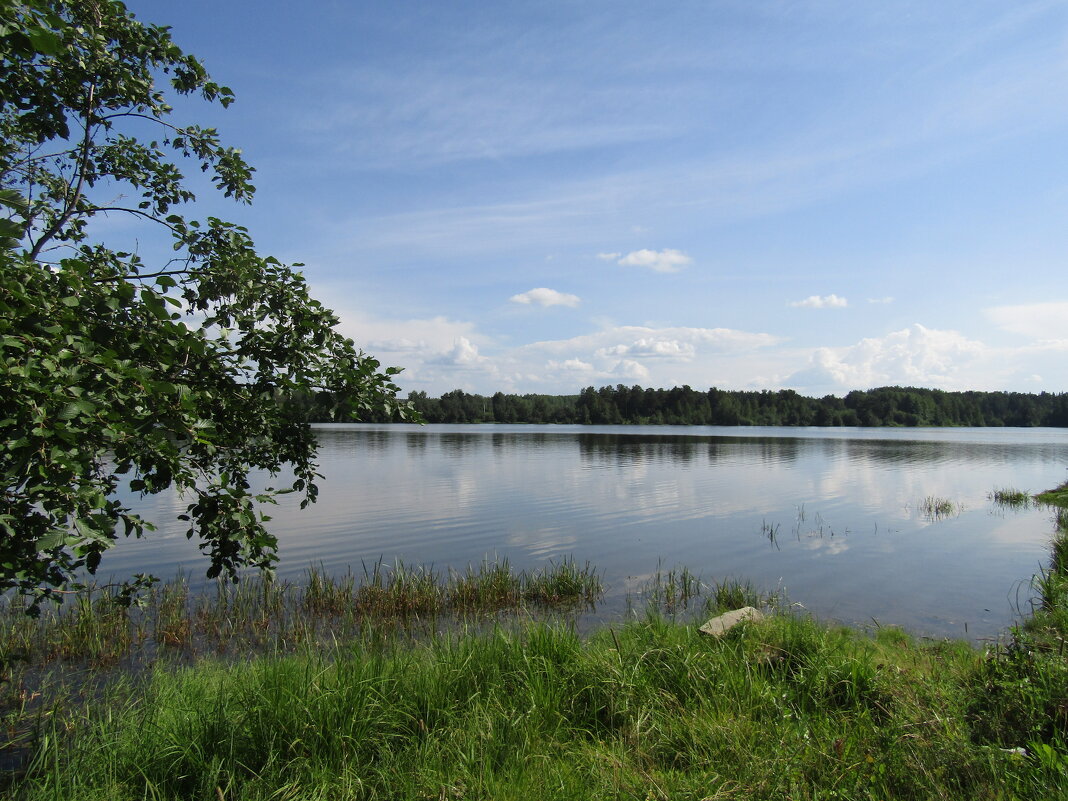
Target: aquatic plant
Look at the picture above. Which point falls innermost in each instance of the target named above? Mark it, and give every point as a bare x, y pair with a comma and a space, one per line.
935, 508
1011, 497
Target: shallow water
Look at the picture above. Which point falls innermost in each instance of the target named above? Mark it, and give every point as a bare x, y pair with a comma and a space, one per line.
832, 517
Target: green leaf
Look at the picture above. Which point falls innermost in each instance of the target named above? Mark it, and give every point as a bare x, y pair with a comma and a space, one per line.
44, 41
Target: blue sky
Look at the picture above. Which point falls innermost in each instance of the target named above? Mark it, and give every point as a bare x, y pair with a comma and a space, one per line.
542, 196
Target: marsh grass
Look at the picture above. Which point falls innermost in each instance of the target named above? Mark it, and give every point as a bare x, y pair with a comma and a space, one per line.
935, 508
787, 708
1011, 498
784, 708
1055, 497
678, 592
94, 629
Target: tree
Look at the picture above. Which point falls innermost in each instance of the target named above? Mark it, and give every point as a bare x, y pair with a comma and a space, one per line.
172, 374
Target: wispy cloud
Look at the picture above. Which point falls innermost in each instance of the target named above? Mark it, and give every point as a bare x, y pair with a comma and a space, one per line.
881, 301
668, 260
1036, 320
821, 302
543, 296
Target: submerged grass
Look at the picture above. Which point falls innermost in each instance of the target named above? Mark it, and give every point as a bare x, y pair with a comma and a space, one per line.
784, 708
935, 508
1011, 498
679, 591
95, 629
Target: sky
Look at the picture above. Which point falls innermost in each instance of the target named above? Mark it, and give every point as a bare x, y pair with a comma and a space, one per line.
541, 196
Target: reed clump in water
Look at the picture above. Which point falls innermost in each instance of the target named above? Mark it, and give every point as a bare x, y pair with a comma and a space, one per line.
97, 629
935, 508
679, 590
1011, 498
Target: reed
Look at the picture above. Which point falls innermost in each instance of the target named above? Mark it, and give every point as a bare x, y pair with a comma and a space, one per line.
650, 709
1011, 498
935, 508
784, 709
259, 613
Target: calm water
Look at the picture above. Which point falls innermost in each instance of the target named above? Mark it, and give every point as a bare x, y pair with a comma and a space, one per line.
831, 516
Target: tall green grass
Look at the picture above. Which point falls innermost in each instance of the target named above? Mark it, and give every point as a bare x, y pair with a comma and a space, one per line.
784, 708
258, 612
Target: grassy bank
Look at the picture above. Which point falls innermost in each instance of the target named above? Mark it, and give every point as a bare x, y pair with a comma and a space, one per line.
517, 707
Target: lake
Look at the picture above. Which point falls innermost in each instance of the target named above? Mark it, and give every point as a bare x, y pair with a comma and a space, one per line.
833, 518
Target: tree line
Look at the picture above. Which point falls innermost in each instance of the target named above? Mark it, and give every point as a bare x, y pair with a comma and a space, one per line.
622, 405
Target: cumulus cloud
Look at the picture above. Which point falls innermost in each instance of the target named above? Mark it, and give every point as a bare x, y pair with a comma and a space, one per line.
630, 370
821, 302
1043, 321
575, 365
651, 347
916, 355
661, 261
462, 354
546, 297
385, 336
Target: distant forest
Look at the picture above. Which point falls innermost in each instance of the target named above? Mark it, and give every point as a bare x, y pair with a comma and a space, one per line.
885, 406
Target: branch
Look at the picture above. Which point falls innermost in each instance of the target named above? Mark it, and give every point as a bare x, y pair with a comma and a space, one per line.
138, 115
141, 276
137, 212
72, 201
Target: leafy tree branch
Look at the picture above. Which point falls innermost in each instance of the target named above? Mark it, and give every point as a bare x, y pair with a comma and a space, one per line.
173, 376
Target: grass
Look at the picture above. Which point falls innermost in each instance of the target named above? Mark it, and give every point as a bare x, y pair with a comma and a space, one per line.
1011, 498
935, 508
785, 708
257, 613
679, 591
1055, 497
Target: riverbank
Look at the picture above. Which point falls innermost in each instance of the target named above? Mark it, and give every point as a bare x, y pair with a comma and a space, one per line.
521, 706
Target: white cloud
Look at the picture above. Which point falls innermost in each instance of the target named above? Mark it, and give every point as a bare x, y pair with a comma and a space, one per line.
652, 347
440, 354
546, 297
881, 301
608, 256
634, 340
630, 369
384, 336
915, 356
1043, 321
824, 302
462, 354
575, 365
662, 261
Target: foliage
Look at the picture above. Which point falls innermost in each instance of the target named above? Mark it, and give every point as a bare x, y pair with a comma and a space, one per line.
621, 405
124, 375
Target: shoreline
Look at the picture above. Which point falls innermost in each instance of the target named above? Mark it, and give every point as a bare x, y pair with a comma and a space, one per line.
509, 705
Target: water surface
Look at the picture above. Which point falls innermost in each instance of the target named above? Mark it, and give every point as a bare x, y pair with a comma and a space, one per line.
833, 517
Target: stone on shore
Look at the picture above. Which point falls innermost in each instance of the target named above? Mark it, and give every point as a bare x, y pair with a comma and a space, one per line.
718, 626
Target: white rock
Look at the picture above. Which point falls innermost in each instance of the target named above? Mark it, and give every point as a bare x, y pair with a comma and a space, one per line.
718, 626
